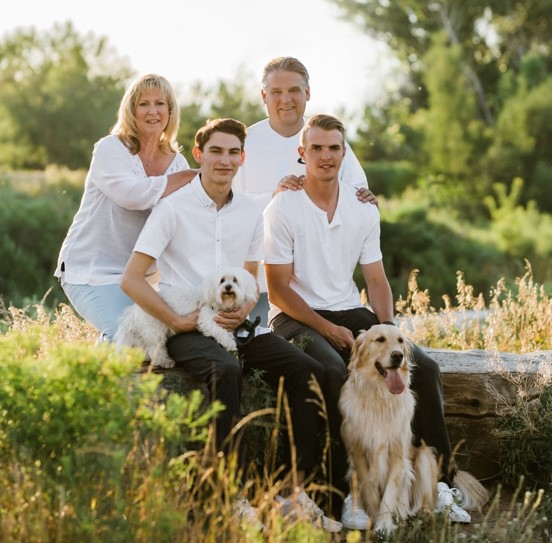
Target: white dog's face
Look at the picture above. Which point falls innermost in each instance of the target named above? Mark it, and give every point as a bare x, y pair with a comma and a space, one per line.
230, 288
381, 353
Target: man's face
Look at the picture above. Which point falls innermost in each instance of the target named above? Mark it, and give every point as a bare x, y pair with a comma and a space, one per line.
220, 159
323, 153
285, 95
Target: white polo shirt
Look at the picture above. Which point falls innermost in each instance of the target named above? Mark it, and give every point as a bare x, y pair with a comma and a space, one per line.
189, 238
324, 255
269, 157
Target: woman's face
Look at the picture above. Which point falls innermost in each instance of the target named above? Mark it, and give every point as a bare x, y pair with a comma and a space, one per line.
152, 113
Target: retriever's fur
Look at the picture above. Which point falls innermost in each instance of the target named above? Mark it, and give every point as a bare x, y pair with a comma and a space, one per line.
395, 478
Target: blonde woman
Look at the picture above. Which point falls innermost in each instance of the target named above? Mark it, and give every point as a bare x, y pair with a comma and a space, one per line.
132, 169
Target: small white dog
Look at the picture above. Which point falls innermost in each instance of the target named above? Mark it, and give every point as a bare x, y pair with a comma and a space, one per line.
224, 289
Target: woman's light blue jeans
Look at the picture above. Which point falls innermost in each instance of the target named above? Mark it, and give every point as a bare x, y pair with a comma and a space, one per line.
101, 306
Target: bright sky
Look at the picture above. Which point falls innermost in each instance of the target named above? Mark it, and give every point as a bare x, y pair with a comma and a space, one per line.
209, 40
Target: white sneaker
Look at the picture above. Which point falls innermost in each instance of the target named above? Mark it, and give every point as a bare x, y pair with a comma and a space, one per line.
447, 503
353, 517
245, 512
302, 506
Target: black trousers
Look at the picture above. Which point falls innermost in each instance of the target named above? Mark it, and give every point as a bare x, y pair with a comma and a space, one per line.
206, 359
429, 417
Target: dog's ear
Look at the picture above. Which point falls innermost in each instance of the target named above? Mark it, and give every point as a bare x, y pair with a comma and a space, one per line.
210, 287
357, 345
249, 285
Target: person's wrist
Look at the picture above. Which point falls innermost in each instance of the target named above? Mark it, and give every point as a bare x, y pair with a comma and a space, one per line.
390, 323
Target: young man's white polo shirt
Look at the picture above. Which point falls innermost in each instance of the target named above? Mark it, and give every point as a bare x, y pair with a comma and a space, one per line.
189, 238
324, 255
270, 156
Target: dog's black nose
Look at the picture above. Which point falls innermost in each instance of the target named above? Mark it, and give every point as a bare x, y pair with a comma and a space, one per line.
228, 288
396, 359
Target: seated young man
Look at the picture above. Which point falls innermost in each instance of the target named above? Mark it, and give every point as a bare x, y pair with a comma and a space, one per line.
204, 226
314, 240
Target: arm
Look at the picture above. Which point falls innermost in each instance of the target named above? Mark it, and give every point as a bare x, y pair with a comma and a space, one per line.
134, 284
379, 291
177, 180
278, 277
230, 320
113, 171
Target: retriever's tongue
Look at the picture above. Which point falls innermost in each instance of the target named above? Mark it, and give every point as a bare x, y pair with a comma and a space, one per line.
394, 382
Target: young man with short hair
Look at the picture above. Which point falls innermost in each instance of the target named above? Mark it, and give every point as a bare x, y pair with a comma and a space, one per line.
205, 226
314, 240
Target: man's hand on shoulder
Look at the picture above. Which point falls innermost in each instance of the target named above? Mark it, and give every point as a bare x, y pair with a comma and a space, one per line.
366, 196
291, 182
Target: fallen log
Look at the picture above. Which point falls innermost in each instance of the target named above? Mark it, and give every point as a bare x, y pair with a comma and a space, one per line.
475, 384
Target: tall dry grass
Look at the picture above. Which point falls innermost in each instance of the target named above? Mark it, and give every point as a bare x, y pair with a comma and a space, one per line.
515, 319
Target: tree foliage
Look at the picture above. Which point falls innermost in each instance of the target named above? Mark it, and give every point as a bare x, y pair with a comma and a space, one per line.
59, 92
478, 95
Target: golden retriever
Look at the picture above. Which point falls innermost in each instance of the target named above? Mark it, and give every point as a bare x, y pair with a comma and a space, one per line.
396, 479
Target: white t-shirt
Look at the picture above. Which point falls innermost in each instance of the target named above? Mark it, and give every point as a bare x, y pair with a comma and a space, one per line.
117, 199
189, 238
269, 157
324, 255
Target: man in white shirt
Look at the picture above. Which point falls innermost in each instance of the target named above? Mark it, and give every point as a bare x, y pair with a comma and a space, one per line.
273, 162
314, 240
205, 226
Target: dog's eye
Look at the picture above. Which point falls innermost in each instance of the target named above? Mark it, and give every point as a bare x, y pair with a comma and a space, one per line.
221, 281
380, 339
401, 340
235, 280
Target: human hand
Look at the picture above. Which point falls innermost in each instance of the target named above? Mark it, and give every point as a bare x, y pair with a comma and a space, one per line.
186, 323
230, 320
291, 182
340, 337
366, 196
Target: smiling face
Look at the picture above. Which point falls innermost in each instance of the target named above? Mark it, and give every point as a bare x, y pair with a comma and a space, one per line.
151, 113
220, 159
323, 153
285, 95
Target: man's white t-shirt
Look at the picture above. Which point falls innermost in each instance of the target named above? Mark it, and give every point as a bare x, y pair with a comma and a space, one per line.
324, 255
269, 157
190, 238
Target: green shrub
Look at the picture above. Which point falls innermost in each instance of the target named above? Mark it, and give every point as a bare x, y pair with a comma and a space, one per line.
33, 224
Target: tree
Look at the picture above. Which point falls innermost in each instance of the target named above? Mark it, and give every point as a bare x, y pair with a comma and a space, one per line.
59, 93
478, 88
225, 99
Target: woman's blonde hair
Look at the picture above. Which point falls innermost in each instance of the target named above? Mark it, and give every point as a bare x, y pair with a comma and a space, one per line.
125, 127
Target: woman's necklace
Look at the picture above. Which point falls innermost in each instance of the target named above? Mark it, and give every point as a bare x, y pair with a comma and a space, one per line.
148, 164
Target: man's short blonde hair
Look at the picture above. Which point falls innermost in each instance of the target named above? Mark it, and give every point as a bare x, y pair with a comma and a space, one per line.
325, 122
285, 64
